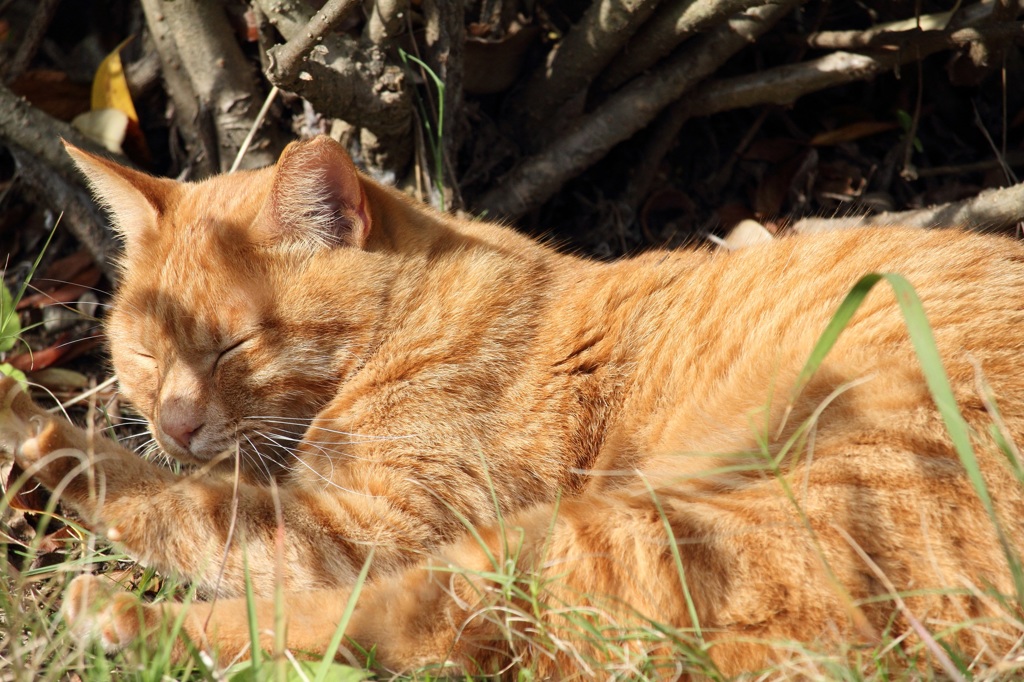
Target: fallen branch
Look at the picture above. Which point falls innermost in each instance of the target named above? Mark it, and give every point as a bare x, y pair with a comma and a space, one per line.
34, 139
995, 209
210, 82
79, 214
30, 43
537, 178
23, 125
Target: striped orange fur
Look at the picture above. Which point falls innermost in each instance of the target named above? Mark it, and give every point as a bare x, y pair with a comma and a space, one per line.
465, 402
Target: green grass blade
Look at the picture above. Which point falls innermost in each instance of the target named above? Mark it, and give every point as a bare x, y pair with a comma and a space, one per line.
923, 341
673, 544
436, 141
250, 610
332, 648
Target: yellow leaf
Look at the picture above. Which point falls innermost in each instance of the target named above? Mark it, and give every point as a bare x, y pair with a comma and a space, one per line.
109, 87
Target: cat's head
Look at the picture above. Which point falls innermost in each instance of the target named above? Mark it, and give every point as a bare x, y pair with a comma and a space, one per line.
231, 327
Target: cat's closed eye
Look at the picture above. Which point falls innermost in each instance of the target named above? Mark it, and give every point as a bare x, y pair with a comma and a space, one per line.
144, 357
229, 350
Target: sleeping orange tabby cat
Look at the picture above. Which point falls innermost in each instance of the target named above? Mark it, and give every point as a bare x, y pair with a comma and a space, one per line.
465, 403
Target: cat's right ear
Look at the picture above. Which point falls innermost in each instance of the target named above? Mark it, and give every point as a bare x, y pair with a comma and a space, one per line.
316, 198
134, 199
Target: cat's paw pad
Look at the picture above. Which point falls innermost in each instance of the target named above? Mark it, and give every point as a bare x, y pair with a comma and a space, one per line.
96, 611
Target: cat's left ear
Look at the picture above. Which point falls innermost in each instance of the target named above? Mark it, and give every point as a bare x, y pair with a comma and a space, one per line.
134, 199
316, 198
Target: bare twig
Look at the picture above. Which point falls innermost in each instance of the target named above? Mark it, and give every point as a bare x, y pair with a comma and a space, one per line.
286, 60
915, 38
991, 210
271, 96
673, 23
573, 63
143, 74
539, 177
196, 45
786, 84
32, 39
192, 121
1003, 162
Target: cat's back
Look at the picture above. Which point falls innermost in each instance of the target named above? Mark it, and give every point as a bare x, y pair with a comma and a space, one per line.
716, 340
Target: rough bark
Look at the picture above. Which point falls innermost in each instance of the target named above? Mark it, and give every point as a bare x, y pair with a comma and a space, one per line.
287, 59
991, 210
210, 81
387, 19
34, 138
445, 37
32, 39
343, 79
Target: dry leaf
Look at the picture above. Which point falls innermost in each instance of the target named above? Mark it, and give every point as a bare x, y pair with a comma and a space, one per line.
854, 131
60, 379
63, 291
109, 87
746, 233
107, 127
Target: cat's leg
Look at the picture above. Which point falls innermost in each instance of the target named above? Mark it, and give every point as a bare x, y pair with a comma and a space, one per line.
589, 583
184, 523
173, 523
740, 578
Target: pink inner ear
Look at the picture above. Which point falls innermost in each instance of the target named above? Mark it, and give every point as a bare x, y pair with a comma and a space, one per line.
318, 195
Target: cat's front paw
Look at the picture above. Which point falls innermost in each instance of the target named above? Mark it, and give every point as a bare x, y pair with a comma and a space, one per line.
33, 437
96, 611
21, 420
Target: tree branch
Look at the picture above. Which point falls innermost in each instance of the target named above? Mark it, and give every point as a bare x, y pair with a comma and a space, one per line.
286, 60
538, 177
213, 88
783, 85
995, 209
571, 66
673, 23
30, 42
34, 139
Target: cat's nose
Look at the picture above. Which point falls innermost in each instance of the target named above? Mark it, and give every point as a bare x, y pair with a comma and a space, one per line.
179, 423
